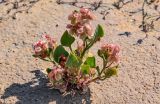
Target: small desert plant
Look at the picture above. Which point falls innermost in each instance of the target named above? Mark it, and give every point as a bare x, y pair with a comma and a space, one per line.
73, 70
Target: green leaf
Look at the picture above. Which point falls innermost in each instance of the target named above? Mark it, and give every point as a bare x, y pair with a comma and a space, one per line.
73, 61
85, 69
110, 72
58, 52
99, 32
91, 61
48, 70
67, 39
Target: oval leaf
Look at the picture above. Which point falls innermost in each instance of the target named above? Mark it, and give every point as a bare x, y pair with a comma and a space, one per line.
58, 52
91, 61
110, 72
67, 39
99, 32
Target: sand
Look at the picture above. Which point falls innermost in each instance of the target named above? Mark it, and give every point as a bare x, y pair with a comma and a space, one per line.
21, 80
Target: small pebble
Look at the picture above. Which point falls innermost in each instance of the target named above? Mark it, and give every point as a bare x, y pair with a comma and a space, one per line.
140, 41
56, 25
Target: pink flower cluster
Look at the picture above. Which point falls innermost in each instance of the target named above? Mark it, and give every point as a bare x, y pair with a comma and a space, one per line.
80, 22
112, 52
41, 47
56, 74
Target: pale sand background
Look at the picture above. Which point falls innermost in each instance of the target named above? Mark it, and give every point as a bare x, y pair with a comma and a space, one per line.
138, 80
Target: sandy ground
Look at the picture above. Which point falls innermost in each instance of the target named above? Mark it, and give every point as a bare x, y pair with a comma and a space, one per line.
21, 82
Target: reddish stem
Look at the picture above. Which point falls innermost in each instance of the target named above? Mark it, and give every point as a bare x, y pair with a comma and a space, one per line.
93, 80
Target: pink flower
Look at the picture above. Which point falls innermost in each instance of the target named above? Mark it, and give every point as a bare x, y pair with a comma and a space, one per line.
80, 22
40, 48
80, 29
86, 14
76, 29
50, 41
56, 74
74, 17
112, 51
88, 29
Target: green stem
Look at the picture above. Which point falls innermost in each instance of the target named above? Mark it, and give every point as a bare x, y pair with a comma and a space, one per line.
52, 60
92, 80
45, 59
109, 65
87, 47
70, 48
104, 65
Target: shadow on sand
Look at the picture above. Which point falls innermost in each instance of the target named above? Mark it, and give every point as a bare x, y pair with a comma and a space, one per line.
37, 92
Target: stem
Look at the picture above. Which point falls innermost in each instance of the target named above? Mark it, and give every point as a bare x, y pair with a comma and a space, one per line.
45, 59
93, 80
109, 65
70, 48
104, 65
99, 76
53, 59
87, 47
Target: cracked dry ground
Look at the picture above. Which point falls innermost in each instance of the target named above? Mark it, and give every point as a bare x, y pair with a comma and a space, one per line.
138, 80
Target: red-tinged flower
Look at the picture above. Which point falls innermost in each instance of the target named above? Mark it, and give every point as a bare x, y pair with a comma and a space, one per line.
86, 14
76, 29
50, 41
80, 29
80, 22
112, 51
74, 17
56, 74
40, 48
88, 29
84, 10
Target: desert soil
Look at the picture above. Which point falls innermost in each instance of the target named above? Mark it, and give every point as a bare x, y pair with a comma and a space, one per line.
22, 23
